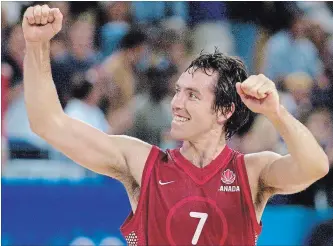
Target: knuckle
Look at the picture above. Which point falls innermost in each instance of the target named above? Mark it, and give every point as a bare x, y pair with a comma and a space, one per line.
270, 84
246, 82
245, 87
264, 82
248, 88
261, 90
45, 9
28, 11
59, 13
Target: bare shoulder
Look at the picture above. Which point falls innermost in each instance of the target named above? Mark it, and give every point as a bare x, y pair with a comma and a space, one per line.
135, 153
255, 163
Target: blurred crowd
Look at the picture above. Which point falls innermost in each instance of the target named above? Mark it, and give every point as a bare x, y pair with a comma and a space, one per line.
114, 66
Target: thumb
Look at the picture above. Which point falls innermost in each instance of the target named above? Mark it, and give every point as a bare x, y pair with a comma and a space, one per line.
245, 98
57, 23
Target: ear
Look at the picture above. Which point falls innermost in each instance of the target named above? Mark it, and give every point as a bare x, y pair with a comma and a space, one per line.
222, 118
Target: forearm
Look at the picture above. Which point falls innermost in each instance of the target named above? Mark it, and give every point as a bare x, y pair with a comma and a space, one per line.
302, 146
41, 97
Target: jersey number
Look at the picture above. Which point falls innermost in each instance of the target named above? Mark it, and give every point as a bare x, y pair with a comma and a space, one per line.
203, 217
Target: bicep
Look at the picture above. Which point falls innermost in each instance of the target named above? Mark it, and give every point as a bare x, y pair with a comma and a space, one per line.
87, 146
283, 175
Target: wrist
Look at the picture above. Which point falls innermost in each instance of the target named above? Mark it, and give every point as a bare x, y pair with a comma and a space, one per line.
39, 53
277, 114
37, 45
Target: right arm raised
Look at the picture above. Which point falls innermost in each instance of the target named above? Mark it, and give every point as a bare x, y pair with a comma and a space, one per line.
89, 147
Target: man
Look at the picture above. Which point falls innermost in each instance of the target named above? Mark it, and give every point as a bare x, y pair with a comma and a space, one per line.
284, 49
83, 106
154, 104
117, 75
203, 193
118, 68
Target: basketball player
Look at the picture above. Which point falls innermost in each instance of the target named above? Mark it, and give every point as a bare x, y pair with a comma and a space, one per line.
203, 193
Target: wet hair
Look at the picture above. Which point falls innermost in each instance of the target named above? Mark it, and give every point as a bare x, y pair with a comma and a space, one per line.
133, 39
230, 71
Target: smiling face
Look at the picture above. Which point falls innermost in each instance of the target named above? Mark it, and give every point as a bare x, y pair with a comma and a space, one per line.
206, 104
192, 107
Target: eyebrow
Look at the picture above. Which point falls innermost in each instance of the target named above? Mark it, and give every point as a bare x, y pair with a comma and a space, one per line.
189, 89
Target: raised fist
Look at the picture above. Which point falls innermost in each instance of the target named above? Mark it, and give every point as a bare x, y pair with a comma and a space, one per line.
40, 23
259, 94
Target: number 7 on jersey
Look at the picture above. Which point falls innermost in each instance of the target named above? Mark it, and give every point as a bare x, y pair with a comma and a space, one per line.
203, 217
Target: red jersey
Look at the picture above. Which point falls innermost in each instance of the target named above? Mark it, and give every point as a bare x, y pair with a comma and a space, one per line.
181, 204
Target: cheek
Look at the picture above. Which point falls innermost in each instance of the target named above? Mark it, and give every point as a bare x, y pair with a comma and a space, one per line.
204, 115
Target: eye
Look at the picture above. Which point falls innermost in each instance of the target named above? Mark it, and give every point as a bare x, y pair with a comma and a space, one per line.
177, 90
193, 96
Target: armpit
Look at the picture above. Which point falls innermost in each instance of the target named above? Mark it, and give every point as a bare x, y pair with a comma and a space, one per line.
133, 192
263, 194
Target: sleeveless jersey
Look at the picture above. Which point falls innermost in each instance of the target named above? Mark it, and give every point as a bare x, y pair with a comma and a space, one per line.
181, 204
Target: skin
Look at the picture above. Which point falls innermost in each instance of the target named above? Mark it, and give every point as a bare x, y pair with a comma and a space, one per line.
268, 172
202, 134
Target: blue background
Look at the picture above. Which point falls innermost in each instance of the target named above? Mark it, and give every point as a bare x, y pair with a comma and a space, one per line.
44, 213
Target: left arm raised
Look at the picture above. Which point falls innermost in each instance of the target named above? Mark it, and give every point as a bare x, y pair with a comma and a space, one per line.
305, 163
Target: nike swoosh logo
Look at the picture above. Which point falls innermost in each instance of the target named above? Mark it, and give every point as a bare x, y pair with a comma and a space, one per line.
165, 183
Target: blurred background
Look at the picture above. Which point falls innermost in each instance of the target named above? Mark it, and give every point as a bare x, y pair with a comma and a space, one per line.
114, 65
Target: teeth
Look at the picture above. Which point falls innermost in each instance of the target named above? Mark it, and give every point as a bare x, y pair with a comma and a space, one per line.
182, 119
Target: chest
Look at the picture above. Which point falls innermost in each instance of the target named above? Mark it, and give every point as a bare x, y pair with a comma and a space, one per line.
191, 210
175, 188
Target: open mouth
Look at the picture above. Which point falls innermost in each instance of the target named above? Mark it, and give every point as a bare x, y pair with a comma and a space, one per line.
180, 119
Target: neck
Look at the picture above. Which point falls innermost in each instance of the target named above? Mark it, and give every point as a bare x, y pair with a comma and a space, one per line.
202, 152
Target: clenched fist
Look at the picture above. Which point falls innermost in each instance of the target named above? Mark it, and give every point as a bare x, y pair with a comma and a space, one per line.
40, 23
259, 94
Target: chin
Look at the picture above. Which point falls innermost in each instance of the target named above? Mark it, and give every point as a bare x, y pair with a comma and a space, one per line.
177, 135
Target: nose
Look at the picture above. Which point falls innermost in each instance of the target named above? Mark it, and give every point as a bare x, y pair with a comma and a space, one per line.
178, 101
